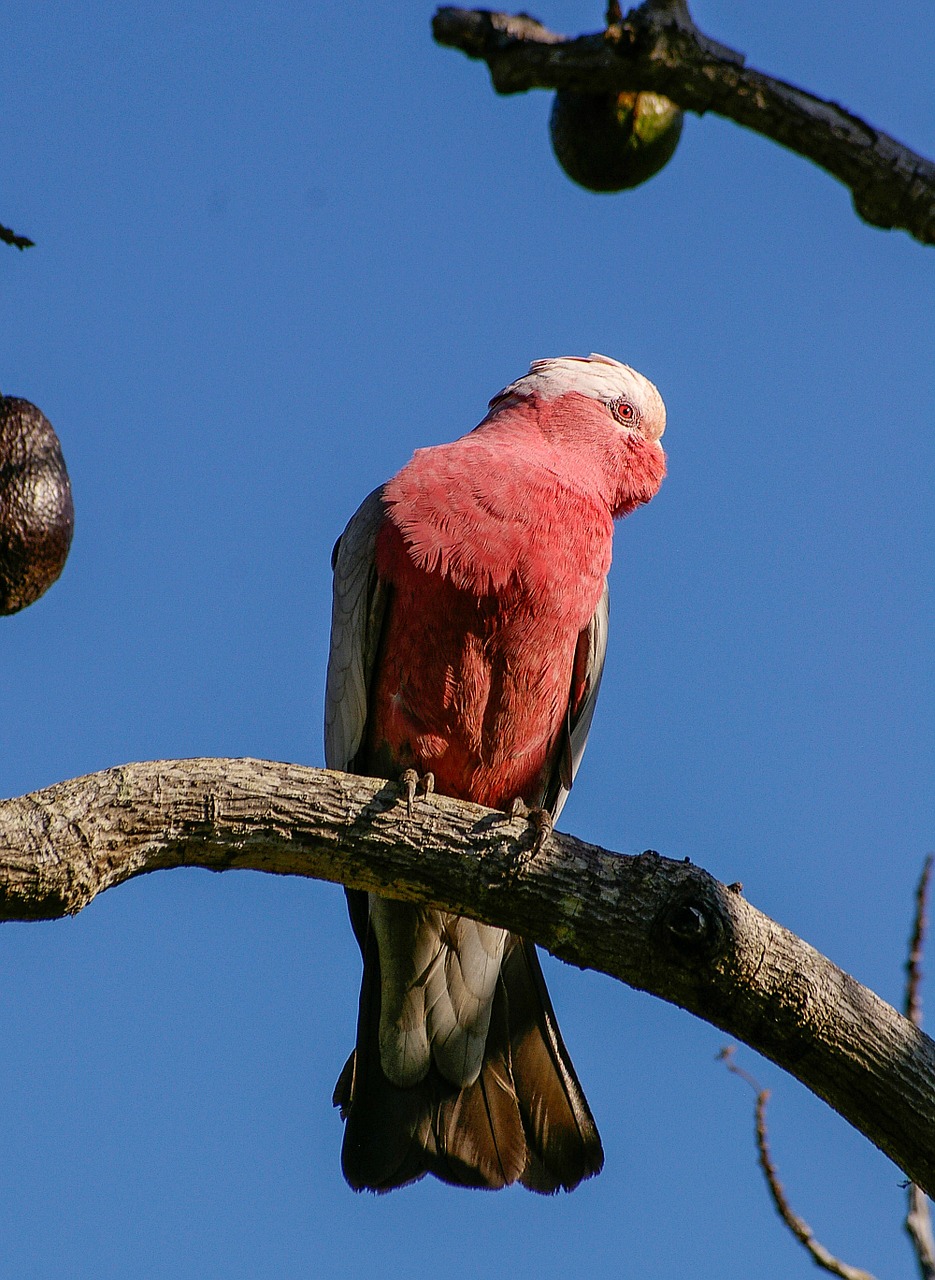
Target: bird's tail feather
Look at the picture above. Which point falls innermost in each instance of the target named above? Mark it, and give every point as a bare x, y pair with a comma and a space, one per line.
524, 1119
563, 1145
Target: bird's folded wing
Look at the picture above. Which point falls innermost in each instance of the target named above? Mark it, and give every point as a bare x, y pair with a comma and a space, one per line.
357, 613
585, 684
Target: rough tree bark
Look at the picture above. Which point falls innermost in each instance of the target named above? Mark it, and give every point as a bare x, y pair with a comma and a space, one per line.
661, 926
657, 47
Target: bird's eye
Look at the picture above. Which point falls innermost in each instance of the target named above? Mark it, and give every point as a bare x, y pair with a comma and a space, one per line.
624, 412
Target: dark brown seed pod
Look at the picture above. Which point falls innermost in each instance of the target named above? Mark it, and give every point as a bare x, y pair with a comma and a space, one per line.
37, 517
611, 141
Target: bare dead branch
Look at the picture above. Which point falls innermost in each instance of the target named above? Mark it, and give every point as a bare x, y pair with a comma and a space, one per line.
657, 47
918, 1221
919, 1229
913, 1006
798, 1226
18, 242
664, 927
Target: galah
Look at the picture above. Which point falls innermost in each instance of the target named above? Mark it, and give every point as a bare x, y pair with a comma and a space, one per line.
468, 635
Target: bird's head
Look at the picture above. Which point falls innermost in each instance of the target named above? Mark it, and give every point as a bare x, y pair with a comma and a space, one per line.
631, 400
603, 418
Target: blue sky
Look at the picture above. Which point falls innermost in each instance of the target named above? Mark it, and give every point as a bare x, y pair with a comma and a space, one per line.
276, 251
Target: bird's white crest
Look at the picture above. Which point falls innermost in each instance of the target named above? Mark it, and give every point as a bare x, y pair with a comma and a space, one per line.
596, 376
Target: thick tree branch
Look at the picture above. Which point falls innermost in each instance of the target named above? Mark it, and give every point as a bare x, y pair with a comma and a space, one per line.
664, 927
657, 47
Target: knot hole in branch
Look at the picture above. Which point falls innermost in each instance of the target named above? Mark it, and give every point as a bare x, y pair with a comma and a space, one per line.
693, 922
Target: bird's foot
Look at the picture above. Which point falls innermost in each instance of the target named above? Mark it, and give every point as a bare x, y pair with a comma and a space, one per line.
413, 783
540, 821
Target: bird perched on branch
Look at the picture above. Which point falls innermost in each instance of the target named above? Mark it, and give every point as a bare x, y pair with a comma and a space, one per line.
468, 635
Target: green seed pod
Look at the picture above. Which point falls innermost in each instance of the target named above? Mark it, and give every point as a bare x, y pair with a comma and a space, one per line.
611, 141
37, 517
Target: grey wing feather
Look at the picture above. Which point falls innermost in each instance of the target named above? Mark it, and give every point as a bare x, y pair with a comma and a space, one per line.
579, 726
358, 604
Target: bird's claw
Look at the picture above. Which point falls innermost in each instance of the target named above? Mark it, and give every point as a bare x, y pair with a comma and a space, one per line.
413, 783
539, 819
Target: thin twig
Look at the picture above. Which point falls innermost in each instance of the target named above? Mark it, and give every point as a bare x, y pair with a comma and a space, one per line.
18, 242
917, 946
799, 1228
918, 1222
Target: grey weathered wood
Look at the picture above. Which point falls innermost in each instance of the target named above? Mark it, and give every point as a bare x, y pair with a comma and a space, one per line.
664, 927
657, 47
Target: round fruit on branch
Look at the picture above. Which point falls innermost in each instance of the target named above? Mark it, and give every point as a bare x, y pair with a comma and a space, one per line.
611, 141
37, 516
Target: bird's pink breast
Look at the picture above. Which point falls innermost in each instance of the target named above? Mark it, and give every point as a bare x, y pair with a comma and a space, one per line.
473, 688
496, 548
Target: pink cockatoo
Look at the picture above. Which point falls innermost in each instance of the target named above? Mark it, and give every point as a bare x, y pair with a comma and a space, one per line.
468, 636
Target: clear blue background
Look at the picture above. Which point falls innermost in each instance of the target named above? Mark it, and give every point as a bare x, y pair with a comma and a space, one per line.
279, 247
